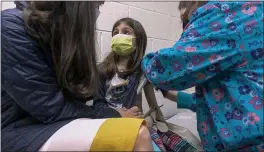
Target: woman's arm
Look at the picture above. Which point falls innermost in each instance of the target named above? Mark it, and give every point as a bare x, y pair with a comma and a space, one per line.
206, 48
99, 96
28, 79
184, 100
171, 95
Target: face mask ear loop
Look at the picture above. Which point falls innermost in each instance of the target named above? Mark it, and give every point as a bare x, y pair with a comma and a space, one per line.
134, 42
134, 45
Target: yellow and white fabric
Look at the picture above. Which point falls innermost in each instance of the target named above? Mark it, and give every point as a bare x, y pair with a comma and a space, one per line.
115, 134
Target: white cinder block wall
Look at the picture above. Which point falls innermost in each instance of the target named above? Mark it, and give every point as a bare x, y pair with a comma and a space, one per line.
161, 21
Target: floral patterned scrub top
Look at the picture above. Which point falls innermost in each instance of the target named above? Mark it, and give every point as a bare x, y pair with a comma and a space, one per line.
221, 53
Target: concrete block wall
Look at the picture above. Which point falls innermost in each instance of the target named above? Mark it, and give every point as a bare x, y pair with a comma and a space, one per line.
161, 21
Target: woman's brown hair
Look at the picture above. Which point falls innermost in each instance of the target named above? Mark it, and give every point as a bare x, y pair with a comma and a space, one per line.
189, 8
108, 67
67, 28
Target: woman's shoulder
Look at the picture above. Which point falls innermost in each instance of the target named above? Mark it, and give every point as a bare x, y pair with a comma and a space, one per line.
13, 29
17, 45
12, 19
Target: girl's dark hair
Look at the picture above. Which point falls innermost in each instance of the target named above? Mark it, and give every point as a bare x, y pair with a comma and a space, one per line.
108, 66
67, 28
190, 7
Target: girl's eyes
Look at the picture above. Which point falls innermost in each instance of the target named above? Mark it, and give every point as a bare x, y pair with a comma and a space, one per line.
115, 32
127, 32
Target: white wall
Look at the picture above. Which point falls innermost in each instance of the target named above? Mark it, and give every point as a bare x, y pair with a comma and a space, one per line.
7, 5
160, 20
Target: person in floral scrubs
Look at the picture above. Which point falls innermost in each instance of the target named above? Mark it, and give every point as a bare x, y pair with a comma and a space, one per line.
220, 52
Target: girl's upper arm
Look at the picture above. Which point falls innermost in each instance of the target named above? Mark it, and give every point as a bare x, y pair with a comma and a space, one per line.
139, 101
150, 94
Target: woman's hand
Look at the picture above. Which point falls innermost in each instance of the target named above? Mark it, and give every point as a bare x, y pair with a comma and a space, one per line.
134, 112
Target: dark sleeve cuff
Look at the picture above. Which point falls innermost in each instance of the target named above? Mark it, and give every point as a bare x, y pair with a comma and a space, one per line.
185, 100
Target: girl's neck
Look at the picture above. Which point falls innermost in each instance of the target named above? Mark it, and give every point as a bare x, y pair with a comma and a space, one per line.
122, 63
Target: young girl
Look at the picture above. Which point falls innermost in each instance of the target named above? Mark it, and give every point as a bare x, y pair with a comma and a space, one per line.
121, 79
120, 72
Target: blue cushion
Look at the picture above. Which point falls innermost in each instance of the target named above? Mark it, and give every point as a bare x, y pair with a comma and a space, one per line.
155, 147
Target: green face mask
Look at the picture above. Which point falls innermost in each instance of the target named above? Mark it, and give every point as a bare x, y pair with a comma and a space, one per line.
123, 44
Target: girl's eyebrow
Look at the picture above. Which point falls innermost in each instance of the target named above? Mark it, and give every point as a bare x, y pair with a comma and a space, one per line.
128, 28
